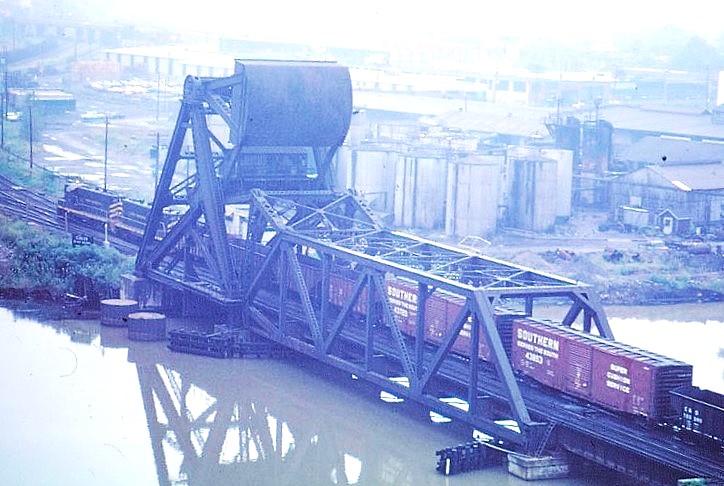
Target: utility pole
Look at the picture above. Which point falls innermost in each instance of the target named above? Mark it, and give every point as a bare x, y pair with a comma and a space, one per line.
105, 158
30, 129
158, 136
3, 102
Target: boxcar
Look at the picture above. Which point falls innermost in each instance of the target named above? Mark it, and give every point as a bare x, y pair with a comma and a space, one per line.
441, 310
618, 376
700, 414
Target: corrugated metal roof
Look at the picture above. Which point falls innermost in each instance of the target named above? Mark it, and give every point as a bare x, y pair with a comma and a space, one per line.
696, 125
699, 177
183, 54
521, 123
667, 151
469, 115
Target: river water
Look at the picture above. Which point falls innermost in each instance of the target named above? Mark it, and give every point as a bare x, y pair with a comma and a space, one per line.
83, 406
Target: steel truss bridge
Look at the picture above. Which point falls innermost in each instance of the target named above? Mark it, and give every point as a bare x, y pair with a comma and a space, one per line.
310, 266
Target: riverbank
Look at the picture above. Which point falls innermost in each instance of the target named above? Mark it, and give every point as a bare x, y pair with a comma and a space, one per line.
36, 264
622, 268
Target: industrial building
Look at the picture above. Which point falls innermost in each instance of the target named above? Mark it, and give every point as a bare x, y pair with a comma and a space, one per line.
678, 199
170, 61
46, 101
666, 151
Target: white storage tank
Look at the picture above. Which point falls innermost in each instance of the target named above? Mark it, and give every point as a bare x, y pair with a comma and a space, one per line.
420, 191
371, 172
473, 184
532, 197
342, 168
564, 180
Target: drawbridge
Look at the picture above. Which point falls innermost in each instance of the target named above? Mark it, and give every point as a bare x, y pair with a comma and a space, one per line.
313, 268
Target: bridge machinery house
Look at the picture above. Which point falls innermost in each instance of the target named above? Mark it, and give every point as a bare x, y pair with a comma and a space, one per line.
679, 199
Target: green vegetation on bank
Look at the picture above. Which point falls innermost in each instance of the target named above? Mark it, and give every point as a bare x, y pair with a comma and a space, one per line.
36, 262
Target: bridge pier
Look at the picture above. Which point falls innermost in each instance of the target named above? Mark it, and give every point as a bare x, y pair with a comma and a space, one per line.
147, 293
535, 468
179, 303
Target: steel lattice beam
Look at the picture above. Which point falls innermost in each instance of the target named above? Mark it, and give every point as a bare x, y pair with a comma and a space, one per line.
434, 263
337, 230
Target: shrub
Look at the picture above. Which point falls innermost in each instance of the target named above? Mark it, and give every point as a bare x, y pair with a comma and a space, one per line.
39, 260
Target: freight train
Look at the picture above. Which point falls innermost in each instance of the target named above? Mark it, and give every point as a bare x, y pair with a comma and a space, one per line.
619, 377
624, 379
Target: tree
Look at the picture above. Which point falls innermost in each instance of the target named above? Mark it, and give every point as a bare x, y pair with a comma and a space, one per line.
696, 55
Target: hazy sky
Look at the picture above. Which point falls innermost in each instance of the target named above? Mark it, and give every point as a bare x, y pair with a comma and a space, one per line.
417, 21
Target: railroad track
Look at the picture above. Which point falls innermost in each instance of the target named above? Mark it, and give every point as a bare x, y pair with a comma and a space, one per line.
41, 210
25, 204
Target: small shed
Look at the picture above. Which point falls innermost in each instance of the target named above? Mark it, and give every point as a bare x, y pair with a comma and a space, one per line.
671, 224
634, 217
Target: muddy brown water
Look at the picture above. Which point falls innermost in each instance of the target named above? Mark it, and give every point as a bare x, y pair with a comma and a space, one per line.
83, 405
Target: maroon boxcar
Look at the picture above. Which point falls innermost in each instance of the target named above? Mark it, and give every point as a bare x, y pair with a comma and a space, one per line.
612, 374
441, 308
340, 288
441, 311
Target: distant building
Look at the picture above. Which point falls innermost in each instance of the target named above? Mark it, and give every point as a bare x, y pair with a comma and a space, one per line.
677, 199
48, 101
170, 61
631, 124
667, 151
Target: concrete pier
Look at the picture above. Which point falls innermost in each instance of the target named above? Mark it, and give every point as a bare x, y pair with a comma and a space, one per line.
534, 468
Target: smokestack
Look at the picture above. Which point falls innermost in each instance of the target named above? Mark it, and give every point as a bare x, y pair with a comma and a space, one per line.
720, 90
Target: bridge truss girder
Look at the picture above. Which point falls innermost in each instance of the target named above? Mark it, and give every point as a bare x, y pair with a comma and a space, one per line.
299, 243
300, 236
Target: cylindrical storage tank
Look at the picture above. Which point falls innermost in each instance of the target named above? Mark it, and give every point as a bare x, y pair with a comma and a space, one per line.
471, 205
359, 129
373, 176
146, 326
420, 192
564, 183
342, 168
532, 197
114, 312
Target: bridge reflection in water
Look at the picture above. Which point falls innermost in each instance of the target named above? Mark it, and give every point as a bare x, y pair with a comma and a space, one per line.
269, 422
95, 408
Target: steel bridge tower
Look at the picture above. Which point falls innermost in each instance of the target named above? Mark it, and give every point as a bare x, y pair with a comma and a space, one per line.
311, 266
